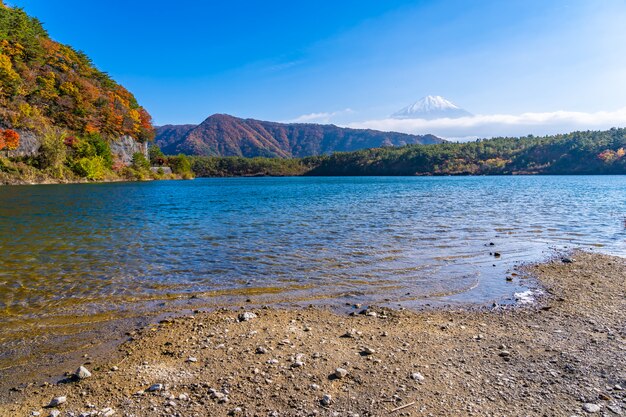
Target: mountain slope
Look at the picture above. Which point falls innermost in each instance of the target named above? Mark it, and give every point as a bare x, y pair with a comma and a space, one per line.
224, 135
47, 84
430, 108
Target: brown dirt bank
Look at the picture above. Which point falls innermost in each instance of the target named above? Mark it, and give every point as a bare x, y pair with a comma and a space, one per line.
564, 357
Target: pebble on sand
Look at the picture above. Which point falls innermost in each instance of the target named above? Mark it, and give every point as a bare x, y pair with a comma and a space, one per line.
155, 387
327, 400
591, 408
340, 373
82, 373
56, 401
417, 376
247, 316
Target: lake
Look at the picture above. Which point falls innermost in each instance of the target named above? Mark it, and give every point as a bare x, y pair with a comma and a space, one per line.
96, 250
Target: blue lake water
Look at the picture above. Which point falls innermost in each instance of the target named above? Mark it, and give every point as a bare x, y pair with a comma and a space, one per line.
80, 249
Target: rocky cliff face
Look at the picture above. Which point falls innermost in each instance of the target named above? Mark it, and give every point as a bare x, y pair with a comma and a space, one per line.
29, 145
124, 148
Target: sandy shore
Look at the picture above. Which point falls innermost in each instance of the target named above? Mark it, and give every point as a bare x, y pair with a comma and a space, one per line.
563, 356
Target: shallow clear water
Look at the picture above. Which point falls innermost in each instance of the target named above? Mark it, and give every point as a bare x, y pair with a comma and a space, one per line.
75, 249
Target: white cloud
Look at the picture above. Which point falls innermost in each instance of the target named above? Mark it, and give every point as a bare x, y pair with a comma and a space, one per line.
487, 126
324, 117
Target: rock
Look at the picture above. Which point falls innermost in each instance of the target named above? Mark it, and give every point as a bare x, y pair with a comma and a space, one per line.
54, 413
235, 411
615, 409
497, 254
56, 401
247, 316
107, 412
368, 351
297, 364
192, 359
567, 260
618, 387
35, 413
591, 408
261, 350
417, 376
155, 387
326, 400
505, 353
371, 314
115, 368
340, 373
314, 387
82, 373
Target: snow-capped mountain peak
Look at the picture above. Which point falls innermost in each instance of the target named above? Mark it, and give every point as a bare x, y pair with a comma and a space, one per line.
431, 107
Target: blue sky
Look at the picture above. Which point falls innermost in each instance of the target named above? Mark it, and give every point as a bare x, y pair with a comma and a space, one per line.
355, 62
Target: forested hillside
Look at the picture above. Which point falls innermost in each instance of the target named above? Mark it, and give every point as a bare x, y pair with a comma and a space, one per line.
591, 152
225, 135
62, 119
588, 152
45, 83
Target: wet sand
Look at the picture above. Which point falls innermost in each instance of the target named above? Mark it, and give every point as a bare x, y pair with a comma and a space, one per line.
561, 356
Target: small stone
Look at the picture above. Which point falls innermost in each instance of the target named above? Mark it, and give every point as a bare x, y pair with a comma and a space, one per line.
326, 400
314, 387
54, 413
591, 408
107, 412
505, 353
192, 359
235, 411
297, 364
115, 368
218, 395
497, 254
416, 376
56, 401
247, 316
82, 373
35, 413
368, 351
340, 373
618, 387
261, 350
371, 314
615, 409
567, 260
155, 387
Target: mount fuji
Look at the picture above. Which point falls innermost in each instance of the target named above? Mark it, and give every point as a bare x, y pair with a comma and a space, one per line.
430, 108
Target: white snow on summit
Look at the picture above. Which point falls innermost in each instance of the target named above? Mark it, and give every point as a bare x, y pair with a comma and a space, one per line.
431, 107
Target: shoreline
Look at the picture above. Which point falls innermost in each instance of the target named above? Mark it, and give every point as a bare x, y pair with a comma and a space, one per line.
563, 355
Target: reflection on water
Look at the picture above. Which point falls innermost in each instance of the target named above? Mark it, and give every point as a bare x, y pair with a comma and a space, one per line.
78, 249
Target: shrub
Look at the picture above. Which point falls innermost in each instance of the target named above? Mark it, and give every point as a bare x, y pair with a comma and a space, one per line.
140, 162
53, 151
91, 168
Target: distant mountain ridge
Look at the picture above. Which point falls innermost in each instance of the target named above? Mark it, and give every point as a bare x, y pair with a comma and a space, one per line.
225, 135
430, 108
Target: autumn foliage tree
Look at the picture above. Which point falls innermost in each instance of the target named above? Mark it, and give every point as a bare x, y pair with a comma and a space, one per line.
9, 139
46, 84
